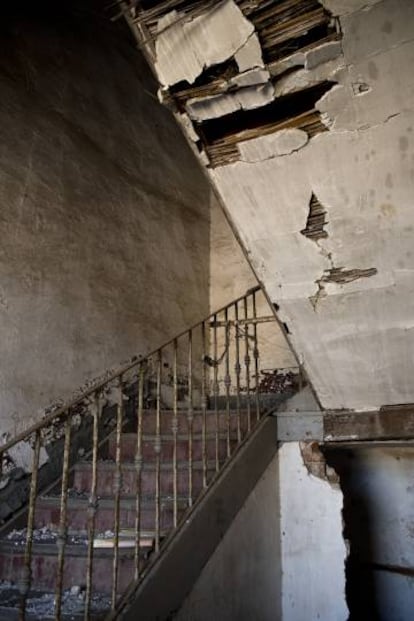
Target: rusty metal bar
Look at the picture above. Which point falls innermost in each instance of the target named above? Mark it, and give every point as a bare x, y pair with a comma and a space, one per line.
237, 371
26, 578
247, 366
204, 403
92, 504
256, 358
117, 486
175, 432
157, 450
61, 539
138, 469
227, 382
243, 322
216, 394
190, 418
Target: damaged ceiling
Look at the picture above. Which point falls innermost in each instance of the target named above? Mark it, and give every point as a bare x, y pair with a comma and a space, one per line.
302, 112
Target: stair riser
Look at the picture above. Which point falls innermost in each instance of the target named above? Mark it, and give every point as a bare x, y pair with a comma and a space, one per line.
149, 423
128, 449
105, 482
104, 518
44, 571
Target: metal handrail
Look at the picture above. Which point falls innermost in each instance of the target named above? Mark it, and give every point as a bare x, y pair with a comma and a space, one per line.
121, 370
217, 393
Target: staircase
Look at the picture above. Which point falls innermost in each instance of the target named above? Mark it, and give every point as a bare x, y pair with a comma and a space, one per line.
123, 479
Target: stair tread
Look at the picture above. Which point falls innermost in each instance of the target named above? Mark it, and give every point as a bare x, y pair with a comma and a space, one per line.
109, 464
82, 500
40, 604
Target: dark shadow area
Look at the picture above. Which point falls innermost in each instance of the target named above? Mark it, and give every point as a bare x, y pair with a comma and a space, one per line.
357, 517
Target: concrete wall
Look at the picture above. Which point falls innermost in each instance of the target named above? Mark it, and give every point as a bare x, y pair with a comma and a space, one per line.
104, 219
313, 549
242, 578
377, 482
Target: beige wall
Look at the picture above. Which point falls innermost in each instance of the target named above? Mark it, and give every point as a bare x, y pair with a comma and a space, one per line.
104, 221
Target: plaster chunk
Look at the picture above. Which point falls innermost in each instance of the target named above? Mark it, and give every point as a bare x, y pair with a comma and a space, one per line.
322, 54
185, 48
295, 60
22, 456
250, 54
280, 143
218, 106
250, 78
188, 127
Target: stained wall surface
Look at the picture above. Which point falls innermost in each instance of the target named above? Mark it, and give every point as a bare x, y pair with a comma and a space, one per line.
104, 220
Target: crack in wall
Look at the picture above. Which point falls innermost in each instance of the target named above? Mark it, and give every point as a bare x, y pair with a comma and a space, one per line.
340, 276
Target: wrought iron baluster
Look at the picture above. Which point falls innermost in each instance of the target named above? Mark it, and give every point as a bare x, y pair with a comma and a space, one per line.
26, 577
256, 357
92, 504
247, 364
175, 432
62, 536
204, 402
157, 450
190, 418
117, 486
227, 379
138, 468
216, 393
237, 369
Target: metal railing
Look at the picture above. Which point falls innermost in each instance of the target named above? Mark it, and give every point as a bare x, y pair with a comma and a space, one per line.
186, 408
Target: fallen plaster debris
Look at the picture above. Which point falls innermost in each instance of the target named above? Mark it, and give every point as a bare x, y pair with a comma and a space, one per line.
185, 47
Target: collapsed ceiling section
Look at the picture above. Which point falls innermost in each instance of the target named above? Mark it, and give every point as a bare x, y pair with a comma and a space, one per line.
235, 68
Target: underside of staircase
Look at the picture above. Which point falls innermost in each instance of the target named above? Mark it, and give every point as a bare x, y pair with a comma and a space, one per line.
133, 485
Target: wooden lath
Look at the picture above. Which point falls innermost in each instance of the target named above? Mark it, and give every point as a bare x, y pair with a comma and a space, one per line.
225, 151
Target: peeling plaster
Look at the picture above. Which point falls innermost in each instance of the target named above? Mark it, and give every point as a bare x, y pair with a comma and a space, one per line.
313, 548
185, 47
250, 54
247, 98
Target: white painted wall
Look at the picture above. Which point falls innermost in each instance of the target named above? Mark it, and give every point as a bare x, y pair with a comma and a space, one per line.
313, 549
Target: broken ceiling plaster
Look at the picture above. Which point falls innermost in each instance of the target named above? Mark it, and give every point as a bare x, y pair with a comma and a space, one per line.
283, 142
250, 54
246, 98
184, 49
338, 276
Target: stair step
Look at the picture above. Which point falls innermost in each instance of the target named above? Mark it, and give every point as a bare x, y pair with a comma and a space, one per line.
45, 563
40, 604
166, 419
48, 513
107, 470
129, 446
